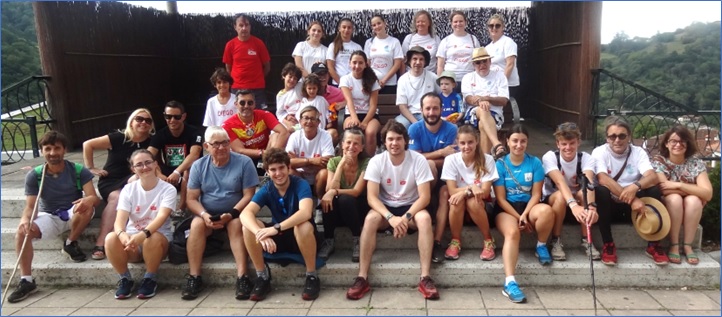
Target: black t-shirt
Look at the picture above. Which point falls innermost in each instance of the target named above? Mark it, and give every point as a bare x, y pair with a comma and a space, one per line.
173, 150
117, 164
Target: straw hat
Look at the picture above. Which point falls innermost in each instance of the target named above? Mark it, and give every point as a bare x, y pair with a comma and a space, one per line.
653, 222
479, 54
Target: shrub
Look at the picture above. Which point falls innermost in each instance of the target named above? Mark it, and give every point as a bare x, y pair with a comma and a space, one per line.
711, 214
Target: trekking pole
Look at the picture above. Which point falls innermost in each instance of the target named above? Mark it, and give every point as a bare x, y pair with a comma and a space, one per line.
585, 184
27, 233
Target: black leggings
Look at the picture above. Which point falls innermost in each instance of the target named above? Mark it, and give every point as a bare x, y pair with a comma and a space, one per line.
611, 211
347, 211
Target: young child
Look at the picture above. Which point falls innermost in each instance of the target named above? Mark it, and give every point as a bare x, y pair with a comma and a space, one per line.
221, 106
311, 84
288, 100
452, 105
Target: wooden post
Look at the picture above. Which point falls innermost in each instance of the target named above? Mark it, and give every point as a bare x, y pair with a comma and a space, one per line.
171, 7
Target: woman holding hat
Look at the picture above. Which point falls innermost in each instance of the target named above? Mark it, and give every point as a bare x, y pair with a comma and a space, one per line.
310, 51
686, 188
624, 175
504, 52
385, 55
422, 34
455, 50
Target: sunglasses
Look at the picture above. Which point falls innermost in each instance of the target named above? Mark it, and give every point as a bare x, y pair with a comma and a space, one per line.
620, 136
216, 145
242, 103
495, 26
172, 116
484, 61
143, 164
140, 119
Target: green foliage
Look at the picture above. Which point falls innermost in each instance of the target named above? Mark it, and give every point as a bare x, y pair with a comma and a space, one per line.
20, 55
711, 214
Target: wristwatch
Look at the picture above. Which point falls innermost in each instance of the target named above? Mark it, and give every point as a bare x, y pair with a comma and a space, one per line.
147, 233
277, 227
593, 204
638, 185
408, 216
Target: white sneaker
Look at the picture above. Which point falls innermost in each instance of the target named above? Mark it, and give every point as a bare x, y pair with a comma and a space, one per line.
595, 253
319, 216
558, 250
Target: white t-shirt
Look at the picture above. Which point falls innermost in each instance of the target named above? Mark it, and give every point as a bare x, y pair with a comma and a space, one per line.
455, 169
320, 104
143, 206
410, 89
431, 44
398, 184
302, 147
381, 54
456, 52
493, 85
309, 54
569, 170
343, 59
500, 50
608, 162
360, 99
289, 102
217, 113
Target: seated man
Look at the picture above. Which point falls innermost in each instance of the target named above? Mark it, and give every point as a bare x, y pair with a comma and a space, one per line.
64, 205
180, 144
220, 186
399, 203
310, 149
289, 199
414, 84
486, 92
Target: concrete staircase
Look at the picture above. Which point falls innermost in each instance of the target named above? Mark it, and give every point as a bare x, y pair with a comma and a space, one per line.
395, 262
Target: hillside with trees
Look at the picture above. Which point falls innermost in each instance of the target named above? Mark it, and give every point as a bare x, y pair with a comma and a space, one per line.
20, 56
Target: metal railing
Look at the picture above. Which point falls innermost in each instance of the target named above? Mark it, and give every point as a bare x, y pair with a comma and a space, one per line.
25, 116
650, 114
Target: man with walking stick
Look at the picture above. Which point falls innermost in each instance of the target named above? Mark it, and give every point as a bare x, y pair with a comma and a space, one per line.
60, 197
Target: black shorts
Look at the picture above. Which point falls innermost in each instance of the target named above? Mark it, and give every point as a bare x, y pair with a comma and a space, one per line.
107, 186
286, 240
568, 215
362, 116
398, 211
518, 206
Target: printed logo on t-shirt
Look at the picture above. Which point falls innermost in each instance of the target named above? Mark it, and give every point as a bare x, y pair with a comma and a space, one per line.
175, 154
198, 138
251, 52
303, 154
153, 207
388, 181
403, 182
428, 47
387, 48
137, 209
528, 177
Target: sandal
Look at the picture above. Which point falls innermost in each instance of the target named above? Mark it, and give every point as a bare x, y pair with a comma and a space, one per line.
98, 253
498, 154
692, 258
674, 257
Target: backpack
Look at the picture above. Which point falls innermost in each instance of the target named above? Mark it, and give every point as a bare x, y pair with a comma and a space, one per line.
177, 250
78, 169
559, 165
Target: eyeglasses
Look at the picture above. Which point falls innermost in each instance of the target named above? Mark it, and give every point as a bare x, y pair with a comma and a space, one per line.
567, 126
674, 142
495, 26
242, 103
620, 136
216, 145
283, 205
304, 118
143, 164
172, 116
140, 119
483, 61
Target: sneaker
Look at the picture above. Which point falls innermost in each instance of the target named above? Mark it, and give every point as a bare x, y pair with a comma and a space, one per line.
261, 289
311, 288
543, 254
73, 251
609, 254
488, 253
356, 254
147, 288
24, 290
558, 250
326, 249
427, 288
514, 293
595, 252
125, 288
656, 253
244, 286
194, 286
359, 288
452, 252
437, 254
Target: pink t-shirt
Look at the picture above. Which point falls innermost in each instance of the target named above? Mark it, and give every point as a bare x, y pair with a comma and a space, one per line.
333, 94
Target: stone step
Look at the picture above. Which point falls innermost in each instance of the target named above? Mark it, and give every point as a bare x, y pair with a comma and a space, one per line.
391, 268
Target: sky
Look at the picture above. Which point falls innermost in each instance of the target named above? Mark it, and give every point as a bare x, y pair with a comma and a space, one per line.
634, 18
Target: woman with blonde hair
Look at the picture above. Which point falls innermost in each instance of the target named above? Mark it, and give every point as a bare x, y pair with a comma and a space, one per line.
310, 51
424, 35
115, 174
455, 50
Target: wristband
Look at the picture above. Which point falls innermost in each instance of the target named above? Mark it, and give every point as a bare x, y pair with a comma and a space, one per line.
389, 216
177, 172
570, 201
119, 233
202, 213
147, 233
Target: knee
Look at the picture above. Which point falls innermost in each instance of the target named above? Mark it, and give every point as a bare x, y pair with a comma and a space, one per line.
303, 230
373, 220
422, 219
322, 176
197, 225
111, 239
692, 204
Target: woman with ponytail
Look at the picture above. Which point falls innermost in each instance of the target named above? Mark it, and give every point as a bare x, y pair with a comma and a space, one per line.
339, 51
310, 51
361, 90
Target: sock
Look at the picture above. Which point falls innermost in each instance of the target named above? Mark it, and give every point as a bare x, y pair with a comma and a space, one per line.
540, 244
314, 274
67, 241
262, 274
509, 279
126, 275
152, 276
28, 278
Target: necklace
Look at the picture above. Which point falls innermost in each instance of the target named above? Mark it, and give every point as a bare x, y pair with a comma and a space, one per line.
249, 130
423, 81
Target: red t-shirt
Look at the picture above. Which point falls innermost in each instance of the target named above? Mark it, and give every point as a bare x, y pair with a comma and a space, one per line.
254, 135
246, 59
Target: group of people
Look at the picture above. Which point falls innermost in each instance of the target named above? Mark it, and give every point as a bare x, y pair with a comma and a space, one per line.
427, 158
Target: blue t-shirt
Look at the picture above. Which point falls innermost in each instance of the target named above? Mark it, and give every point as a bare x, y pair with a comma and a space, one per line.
222, 187
530, 171
423, 141
283, 207
451, 104
59, 191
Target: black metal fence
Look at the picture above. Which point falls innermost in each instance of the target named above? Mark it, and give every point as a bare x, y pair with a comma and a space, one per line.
25, 116
650, 114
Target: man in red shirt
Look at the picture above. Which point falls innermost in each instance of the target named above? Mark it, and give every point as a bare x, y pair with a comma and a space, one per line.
248, 61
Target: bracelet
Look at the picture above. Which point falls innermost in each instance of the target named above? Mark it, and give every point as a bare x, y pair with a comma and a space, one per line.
119, 233
571, 200
336, 191
202, 213
147, 233
177, 172
574, 204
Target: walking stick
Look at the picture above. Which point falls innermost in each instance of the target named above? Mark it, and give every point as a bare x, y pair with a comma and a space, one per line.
27, 233
585, 184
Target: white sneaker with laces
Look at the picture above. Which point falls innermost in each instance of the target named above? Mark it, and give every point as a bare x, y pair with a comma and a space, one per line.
595, 253
558, 250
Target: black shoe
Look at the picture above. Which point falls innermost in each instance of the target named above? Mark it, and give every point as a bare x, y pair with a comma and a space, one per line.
311, 288
437, 255
73, 251
125, 288
147, 288
194, 286
261, 289
24, 290
244, 286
